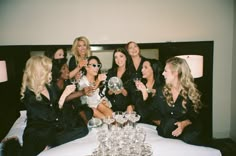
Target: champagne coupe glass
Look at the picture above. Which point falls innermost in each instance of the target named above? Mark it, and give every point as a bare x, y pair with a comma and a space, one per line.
92, 85
129, 116
136, 79
104, 71
134, 118
80, 75
73, 81
102, 139
120, 118
76, 80
109, 120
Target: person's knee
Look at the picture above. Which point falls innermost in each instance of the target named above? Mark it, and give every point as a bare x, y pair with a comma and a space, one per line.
167, 127
193, 138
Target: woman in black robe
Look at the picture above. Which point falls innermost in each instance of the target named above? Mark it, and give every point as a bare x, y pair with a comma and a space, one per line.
74, 114
144, 90
178, 104
44, 124
120, 99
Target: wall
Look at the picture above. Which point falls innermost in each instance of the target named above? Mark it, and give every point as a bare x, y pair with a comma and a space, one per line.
40, 22
233, 85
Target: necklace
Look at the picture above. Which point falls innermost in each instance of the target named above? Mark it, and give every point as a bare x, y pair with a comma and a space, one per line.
149, 87
151, 84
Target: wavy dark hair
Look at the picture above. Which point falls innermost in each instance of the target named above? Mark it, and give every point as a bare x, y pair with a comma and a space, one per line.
157, 68
50, 52
123, 51
56, 68
91, 58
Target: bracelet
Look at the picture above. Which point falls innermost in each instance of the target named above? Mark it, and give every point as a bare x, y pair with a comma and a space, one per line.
149, 90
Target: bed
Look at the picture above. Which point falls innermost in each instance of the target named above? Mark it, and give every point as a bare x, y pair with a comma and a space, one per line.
86, 145
160, 146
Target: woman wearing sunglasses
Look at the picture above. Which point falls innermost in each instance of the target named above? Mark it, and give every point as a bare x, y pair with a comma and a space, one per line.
92, 78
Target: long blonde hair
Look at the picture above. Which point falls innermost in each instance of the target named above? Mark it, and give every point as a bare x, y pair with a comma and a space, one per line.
74, 50
36, 75
189, 88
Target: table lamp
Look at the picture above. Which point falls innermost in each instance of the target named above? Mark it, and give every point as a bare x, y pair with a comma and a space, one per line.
195, 63
3, 71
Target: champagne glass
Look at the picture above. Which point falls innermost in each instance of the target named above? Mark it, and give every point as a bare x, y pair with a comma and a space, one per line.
92, 87
104, 71
134, 118
109, 120
136, 79
73, 81
130, 116
120, 118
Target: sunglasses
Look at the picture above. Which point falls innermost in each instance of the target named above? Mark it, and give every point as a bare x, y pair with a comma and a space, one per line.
96, 65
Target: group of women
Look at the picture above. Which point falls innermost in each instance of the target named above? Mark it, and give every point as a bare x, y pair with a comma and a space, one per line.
58, 109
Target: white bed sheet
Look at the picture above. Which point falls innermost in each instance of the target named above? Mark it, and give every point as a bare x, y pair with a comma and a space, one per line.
18, 127
86, 145
160, 146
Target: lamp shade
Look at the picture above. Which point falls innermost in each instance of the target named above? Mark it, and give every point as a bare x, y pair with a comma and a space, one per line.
195, 63
3, 71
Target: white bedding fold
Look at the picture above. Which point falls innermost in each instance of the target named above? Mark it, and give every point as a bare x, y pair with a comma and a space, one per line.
86, 145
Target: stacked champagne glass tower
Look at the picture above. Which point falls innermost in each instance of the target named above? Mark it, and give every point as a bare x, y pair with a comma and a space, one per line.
119, 136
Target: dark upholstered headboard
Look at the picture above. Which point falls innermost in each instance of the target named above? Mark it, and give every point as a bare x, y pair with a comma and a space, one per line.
16, 56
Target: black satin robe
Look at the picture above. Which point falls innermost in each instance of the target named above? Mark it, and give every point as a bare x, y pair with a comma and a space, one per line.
119, 102
168, 115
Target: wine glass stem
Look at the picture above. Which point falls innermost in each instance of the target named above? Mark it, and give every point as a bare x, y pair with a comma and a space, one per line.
109, 127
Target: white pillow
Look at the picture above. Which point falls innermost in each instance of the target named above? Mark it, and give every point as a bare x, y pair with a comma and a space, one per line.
18, 127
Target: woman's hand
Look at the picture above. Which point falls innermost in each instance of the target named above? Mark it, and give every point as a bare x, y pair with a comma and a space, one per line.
79, 75
83, 63
102, 77
68, 90
121, 91
118, 92
178, 131
180, 127
88, 90
140, 86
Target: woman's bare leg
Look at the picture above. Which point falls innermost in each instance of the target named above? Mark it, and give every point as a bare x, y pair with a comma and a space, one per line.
98, 114
104, 109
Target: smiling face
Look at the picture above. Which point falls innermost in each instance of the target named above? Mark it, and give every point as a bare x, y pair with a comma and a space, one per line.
82, 48
169, 75
64, 72
120, 59
59, 54
133, 49
93, 67
147, 70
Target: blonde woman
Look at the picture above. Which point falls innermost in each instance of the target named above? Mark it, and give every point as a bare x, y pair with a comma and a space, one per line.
80, 51
43, 122
178, 104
